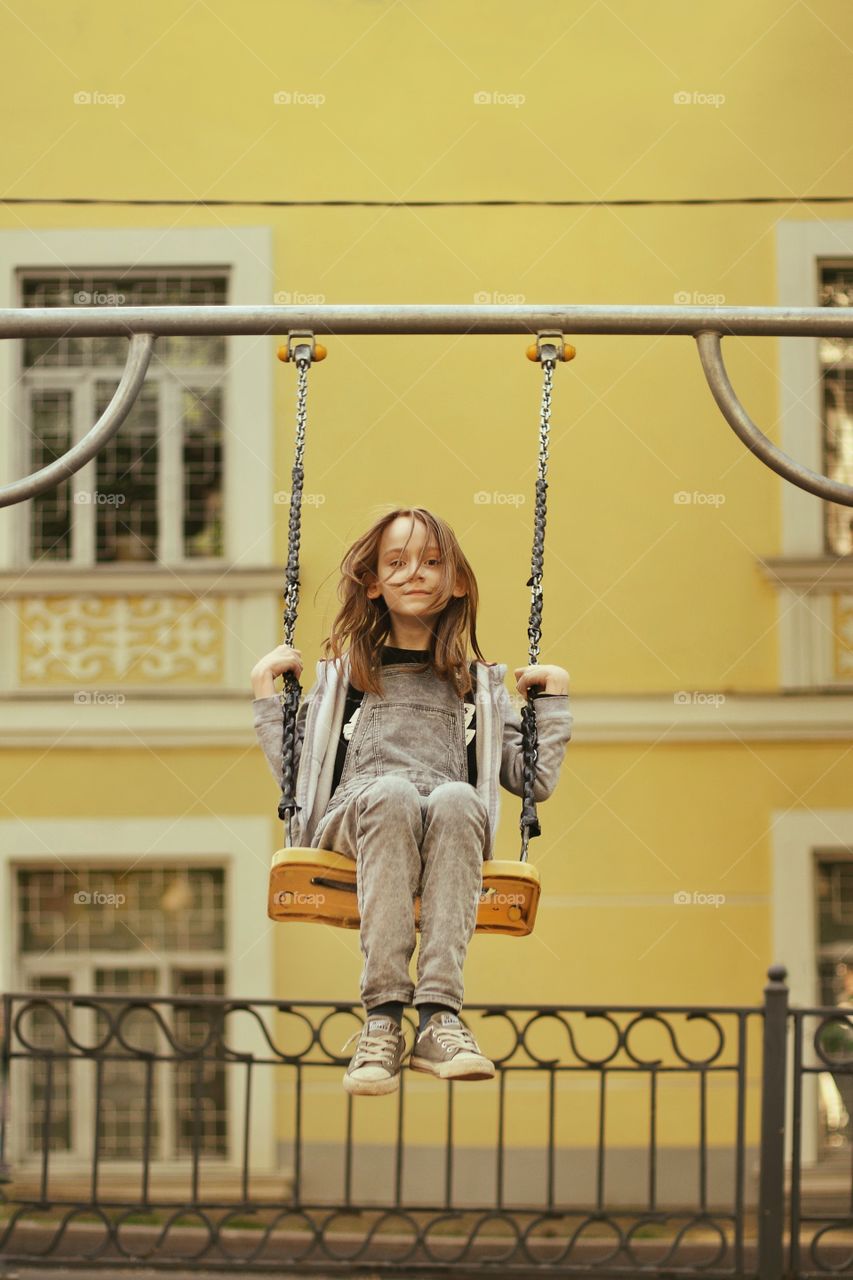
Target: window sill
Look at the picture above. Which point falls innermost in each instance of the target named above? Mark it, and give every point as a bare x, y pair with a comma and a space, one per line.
809, 573
133, 577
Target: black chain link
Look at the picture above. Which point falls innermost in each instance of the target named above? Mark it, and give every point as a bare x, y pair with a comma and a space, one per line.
529, 822
292, 689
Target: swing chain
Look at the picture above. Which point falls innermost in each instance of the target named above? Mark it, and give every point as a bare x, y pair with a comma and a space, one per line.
301, 349
549, 350
301, 353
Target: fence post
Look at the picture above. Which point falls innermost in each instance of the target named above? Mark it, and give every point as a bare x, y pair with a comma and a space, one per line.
771, 1196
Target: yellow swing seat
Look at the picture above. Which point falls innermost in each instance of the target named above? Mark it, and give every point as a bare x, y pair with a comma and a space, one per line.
319, 885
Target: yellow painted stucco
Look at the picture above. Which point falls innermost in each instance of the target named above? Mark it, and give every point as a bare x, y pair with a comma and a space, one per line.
644, 595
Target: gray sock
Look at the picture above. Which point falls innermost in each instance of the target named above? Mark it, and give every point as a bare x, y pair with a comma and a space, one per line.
393, 1009
425, 1012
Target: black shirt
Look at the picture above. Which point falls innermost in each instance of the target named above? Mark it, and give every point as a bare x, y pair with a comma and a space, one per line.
355, 697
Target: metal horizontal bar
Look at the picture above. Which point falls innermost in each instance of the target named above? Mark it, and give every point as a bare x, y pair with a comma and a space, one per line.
707, 324
47, 322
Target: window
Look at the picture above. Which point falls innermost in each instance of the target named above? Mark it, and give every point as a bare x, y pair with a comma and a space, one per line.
834, 880
834, 925
145, 933
836, 364
155, 492
49, 1079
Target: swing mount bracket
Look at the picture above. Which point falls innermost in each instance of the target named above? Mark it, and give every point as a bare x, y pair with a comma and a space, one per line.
301, 345
550, 345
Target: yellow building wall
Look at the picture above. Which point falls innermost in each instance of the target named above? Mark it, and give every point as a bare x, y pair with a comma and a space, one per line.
642, 595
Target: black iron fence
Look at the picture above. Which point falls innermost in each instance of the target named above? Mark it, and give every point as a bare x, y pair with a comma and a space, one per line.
820, 1235
210, 1133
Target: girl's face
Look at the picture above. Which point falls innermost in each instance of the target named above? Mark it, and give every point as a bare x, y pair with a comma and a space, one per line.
408, 589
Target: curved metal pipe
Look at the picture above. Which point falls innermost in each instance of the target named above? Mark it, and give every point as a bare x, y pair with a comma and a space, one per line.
138, 359
739, 420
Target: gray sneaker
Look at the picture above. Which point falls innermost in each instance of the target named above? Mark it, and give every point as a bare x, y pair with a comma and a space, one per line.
375, 1065
447, 1049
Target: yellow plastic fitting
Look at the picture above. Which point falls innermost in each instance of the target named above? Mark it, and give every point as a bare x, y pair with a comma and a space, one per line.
565, 350
318, 351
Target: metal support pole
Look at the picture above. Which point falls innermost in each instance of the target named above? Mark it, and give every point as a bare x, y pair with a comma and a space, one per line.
771, 1199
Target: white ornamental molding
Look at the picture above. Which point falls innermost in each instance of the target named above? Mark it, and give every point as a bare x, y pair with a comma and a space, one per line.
124, 638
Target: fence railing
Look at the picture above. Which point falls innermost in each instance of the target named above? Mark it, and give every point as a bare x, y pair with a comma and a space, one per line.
820, 1238
612, 1140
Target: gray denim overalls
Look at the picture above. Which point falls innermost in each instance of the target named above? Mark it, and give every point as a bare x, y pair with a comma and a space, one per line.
404, 809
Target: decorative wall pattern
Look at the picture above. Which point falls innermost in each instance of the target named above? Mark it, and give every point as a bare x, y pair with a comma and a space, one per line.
131, 639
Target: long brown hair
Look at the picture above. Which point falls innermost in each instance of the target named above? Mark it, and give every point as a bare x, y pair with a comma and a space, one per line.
366, 622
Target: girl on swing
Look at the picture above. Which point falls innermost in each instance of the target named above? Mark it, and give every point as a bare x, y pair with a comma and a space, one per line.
401, 744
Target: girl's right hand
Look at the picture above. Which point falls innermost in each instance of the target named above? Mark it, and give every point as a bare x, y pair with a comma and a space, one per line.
276, 663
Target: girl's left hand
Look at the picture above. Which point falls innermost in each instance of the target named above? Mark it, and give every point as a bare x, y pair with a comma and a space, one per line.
555, 679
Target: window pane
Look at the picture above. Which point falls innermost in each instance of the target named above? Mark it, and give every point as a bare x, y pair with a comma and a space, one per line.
122, 1117
43, 1030
145, 914
126, 467
57, 291
200, 1101
118, 290
838, 453
50, 425
104, 909
836, 357
201, 417
835, 925
129, 469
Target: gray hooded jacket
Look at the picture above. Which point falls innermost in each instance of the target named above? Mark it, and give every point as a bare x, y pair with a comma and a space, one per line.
499, 749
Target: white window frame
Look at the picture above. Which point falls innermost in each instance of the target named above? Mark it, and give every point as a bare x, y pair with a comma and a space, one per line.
79, 968
800, 246
804, 574
234, 842
798, 837
81, 383
245, 254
